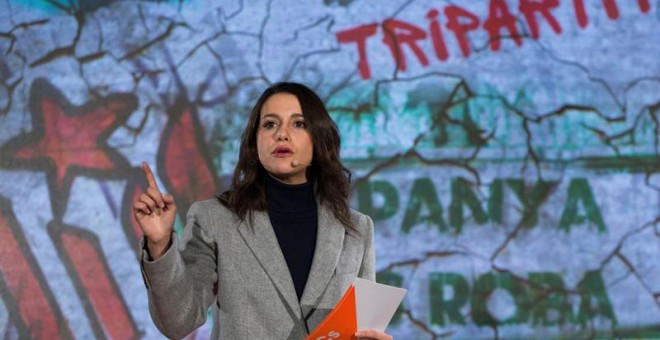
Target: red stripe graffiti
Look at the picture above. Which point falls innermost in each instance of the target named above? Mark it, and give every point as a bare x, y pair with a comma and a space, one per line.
183, 139
88, 268
30, 303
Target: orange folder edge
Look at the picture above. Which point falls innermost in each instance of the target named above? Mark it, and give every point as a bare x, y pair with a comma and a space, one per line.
341, 323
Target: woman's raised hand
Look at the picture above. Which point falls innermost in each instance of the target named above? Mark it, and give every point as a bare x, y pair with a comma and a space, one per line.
155, 213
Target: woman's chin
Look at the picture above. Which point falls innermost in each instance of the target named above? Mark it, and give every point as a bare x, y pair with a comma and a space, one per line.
290, 176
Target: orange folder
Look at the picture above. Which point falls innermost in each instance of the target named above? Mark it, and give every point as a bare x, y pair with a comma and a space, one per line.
366, 304
341, 323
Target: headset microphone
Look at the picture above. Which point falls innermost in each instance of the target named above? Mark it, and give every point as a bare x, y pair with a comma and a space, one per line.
295, 163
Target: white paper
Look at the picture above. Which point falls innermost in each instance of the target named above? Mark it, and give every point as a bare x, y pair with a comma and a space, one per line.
376, 303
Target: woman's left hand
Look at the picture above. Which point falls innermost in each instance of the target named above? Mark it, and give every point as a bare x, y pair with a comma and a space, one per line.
372, 334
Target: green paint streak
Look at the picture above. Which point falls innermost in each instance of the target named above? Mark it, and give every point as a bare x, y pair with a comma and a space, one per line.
460, 118
74, 6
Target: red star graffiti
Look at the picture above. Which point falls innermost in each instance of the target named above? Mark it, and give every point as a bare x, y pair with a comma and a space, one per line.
67, 140
195, 178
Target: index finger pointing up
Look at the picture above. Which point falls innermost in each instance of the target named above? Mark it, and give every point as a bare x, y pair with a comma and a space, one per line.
151, 181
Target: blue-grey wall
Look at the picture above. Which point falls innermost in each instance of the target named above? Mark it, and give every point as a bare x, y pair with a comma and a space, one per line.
508, 151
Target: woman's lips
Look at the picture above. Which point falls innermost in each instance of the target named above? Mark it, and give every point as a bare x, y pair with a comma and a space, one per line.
282, 151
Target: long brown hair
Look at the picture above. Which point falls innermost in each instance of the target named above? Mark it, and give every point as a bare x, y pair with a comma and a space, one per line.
330, 179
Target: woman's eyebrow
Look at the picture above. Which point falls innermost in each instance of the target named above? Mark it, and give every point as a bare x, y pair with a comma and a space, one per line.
277, 116
271, 115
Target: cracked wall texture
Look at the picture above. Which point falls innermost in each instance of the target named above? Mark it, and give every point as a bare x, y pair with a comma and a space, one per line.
508, 151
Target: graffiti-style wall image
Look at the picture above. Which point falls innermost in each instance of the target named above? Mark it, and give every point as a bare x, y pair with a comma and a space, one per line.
508, 152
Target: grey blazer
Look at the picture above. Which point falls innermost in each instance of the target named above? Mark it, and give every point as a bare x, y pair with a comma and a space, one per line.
239, 267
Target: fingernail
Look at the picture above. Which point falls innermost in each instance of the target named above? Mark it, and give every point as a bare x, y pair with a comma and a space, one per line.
162, 205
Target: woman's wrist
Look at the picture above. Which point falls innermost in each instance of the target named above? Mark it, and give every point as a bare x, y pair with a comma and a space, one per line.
158, 249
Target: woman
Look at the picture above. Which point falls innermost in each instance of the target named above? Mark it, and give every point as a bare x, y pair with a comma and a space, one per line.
276, 252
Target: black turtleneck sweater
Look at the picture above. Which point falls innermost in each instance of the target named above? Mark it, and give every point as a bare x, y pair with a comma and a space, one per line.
293, 214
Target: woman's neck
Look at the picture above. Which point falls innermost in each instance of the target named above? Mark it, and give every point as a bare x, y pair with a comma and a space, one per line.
283, 197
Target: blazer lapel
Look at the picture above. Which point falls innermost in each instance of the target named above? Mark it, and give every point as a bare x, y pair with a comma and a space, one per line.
263, 243
329, 242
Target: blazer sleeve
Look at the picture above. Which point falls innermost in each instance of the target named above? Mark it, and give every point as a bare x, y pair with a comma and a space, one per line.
368, 267
181, 284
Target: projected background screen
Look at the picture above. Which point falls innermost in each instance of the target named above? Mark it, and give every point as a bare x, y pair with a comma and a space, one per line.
508, 152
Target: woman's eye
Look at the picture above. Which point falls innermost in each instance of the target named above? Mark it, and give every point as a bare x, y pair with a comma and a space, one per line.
300, 124
268, 125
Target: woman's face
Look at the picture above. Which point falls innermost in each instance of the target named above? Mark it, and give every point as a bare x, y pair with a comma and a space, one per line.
283, 143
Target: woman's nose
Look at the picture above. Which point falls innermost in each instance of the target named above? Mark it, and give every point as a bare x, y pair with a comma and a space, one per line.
282, 135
